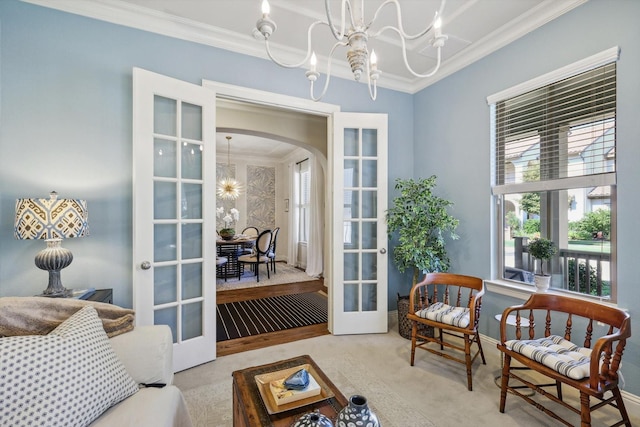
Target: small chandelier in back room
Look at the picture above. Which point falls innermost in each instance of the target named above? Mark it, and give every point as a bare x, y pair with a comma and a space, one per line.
354, 33
228, 188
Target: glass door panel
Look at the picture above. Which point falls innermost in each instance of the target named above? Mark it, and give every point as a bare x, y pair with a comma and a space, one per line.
174, 156
360, 194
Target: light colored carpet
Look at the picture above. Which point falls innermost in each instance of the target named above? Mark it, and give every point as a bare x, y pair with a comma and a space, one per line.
284, 274
431, 393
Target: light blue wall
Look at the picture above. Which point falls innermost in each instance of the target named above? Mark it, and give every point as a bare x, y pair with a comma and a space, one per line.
452, 141
66, 125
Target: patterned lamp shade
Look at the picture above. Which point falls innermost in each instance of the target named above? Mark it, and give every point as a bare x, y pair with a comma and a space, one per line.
51, 218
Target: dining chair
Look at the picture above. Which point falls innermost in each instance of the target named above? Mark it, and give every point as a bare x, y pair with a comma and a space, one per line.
272, 249
263, 243
247, 248
221, 266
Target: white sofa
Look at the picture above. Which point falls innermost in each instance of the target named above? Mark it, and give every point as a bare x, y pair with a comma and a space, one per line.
147, 354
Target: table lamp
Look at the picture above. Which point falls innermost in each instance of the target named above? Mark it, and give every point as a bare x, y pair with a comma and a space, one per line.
52, 219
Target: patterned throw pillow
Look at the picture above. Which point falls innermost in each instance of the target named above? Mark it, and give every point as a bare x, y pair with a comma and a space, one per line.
66, 378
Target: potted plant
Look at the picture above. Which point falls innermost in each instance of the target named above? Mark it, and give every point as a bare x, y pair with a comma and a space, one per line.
228, 232
542, 249
421, 221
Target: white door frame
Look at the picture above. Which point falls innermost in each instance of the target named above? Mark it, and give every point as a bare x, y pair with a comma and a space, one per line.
270, 99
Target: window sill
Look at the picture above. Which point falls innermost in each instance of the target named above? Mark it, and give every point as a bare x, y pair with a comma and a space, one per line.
520, 291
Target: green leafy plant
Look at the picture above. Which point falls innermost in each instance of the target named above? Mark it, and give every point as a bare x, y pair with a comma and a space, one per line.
422, 222
542, 249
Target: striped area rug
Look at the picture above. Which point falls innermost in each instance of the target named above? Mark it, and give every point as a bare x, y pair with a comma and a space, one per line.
253, 317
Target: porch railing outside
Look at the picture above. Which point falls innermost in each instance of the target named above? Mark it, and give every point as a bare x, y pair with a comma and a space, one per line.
584, 272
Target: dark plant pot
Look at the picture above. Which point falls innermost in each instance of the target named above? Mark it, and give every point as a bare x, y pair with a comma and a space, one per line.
404, 324
227, 233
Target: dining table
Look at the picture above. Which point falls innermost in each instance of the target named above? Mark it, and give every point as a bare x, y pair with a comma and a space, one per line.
230, 249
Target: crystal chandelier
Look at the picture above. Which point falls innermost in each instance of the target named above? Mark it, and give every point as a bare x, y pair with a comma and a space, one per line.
354, 34
228, 188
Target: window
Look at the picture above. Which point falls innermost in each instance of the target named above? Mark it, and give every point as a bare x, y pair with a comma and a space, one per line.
554, 176
303, 199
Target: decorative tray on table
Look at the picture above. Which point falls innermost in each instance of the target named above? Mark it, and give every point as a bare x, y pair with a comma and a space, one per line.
277, 399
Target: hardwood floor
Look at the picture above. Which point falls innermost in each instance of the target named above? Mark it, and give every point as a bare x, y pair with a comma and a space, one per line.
225, 348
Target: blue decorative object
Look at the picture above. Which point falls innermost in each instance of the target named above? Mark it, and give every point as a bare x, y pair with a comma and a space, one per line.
298, 380
357, 413
313, 419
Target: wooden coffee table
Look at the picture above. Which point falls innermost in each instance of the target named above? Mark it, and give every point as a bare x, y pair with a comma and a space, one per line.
250, 410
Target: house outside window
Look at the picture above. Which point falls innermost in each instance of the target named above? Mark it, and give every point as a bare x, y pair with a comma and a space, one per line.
554, 176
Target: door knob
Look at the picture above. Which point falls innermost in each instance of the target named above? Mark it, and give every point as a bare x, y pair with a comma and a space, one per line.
145, 265
383, 251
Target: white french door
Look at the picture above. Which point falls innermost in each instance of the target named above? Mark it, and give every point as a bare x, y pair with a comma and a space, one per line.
174, 213
359, 238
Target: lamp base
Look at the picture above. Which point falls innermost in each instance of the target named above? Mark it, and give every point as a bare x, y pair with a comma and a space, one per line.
53, 259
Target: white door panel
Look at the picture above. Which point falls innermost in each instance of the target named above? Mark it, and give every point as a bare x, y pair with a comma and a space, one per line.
359, 239
174, 213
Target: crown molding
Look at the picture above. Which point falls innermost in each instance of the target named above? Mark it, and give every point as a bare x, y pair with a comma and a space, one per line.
122, 13
526, 23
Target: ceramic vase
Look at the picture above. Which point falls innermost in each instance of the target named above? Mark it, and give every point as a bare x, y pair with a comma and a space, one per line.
313, 419
542, 282
357, 413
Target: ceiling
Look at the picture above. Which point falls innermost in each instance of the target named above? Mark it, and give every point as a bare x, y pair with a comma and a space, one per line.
475, 28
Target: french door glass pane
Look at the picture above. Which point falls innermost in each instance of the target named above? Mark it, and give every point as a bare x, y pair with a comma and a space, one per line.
191, 161
191, 201
370, 173
369, 204
191, 241
165, 116
369, 235
164, 200
369, 297
191, 320
369, 142
164, 158
351, 142
351, 266
192, 121
168, 316
191, 280
351, 297
164, 286
164, 242
369, 266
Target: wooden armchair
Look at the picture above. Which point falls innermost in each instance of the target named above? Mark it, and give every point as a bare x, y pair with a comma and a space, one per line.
450, 303
592, 371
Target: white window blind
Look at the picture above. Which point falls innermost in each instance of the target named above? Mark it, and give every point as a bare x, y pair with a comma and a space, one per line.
546, 129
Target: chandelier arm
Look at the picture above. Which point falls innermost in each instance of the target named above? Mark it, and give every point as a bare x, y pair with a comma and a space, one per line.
338, 35
400, 28
307, 56
406, 62
328, 74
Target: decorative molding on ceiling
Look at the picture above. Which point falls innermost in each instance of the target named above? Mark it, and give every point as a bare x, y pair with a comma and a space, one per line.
127, 14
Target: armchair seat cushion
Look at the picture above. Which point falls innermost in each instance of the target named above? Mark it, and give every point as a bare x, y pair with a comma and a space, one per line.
556, 353
444, 313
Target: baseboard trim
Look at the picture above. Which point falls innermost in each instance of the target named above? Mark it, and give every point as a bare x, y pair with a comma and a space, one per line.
628, 397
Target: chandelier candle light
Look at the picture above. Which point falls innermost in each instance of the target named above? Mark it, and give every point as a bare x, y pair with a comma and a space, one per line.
52, 219
354, 34
228, 188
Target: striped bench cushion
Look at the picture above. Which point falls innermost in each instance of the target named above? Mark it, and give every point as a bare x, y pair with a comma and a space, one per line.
444, 313
556, 353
